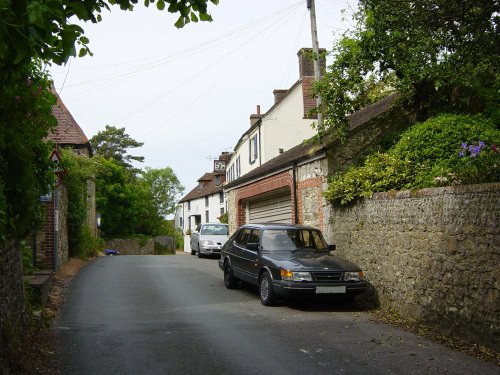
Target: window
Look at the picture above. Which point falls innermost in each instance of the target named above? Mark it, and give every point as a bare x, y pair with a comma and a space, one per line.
254, 237
222, 210
206, 201
180, 222
217, 180
207, 217
238, 167
221, 197
243, 237
253, 149
189, 205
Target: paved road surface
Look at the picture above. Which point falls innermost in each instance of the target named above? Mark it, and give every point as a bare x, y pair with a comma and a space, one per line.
149, 315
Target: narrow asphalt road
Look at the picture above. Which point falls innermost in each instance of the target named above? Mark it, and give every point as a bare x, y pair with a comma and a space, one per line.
152, 315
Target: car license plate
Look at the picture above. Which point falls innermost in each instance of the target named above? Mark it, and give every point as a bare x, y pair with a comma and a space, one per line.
330, 289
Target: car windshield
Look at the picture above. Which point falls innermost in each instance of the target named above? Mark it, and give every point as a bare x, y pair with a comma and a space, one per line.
292, 239
214, 229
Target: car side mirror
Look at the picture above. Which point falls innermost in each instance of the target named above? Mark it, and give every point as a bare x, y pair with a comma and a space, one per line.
332, 247
253, 246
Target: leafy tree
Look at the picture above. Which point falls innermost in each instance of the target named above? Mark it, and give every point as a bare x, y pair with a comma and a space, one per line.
114, 143
440, 55
165, 188
131, 204
43, 29
25, 173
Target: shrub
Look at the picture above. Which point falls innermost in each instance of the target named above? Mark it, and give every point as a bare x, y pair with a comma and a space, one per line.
445, 150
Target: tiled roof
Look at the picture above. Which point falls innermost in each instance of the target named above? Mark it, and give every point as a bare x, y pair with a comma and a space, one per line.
303, 152
209, 189
67, 132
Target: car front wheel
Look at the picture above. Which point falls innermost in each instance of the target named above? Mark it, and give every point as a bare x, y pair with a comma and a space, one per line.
229, 280
266, 292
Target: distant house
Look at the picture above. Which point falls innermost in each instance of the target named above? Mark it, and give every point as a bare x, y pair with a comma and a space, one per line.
51, 243
205, 203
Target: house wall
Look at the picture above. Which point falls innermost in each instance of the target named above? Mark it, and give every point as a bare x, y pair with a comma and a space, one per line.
285, 126
432, 255
47, 236
243, 152
313, 209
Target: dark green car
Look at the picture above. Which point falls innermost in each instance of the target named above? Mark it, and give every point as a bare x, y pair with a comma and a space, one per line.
284, 260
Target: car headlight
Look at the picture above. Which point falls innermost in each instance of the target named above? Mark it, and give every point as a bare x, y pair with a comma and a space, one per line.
295, 276
207, 242
354, 276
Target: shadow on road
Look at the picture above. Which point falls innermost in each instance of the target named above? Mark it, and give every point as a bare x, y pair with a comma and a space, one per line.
332, 303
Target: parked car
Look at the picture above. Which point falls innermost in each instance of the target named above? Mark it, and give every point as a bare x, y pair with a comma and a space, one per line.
208, 239
285, 260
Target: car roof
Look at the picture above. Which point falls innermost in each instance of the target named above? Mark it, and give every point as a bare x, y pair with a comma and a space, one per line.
263, 226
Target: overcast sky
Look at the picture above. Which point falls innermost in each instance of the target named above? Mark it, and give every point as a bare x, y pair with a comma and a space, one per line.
188, 94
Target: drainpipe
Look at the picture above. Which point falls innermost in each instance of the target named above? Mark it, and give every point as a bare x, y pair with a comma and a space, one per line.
295, 206
260, 147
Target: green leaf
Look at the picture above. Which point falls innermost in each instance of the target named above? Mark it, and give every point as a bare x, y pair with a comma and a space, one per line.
193, 17
83, 52
206, 17
160, 4
180, 23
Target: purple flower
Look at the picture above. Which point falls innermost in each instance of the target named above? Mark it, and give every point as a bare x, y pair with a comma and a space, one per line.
482, 145
461, 154
475, 151
464, 145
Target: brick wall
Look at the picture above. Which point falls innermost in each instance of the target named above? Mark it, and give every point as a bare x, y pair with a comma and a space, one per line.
45, 237
432, 255
278, 181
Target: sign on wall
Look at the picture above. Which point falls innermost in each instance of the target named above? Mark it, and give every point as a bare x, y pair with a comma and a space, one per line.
219, 166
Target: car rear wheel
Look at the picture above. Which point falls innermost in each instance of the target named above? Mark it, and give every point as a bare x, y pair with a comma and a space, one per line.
229, 280
266, 292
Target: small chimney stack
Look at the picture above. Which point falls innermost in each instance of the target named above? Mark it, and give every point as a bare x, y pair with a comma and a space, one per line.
279, 94
255, 117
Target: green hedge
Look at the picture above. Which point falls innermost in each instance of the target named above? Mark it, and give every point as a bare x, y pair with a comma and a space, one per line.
445, 150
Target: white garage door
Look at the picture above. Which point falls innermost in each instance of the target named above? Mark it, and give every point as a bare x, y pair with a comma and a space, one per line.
277, 209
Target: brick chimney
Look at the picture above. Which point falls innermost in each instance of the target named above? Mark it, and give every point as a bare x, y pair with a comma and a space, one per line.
255, 117
306, 66
279, 94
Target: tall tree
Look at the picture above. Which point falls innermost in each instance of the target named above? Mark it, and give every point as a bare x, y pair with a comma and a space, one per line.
114, 143
439, 54
165, 188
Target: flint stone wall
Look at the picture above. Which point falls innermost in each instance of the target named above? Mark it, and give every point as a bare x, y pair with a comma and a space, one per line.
432, 255
132, 246
13, 314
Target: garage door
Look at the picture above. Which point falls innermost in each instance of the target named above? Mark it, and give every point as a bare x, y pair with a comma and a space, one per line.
277, 209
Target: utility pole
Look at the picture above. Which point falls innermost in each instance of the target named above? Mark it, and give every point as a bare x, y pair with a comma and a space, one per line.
315, 48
